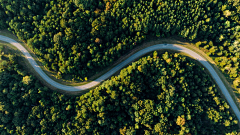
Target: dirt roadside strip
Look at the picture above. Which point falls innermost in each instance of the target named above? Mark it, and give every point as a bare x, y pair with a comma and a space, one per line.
122, 64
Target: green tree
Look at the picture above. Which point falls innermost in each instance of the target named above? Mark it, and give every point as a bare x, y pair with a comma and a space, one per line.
180, 121
27, 80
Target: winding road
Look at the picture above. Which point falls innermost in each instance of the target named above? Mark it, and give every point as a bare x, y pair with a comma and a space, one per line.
124, 63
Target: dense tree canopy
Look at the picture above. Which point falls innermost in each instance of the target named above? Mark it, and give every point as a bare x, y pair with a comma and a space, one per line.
76, 36
3, 17
168, 94
26, 106
162, 94
155, 95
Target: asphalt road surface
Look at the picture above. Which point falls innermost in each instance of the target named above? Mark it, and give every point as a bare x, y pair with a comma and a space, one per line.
124, 63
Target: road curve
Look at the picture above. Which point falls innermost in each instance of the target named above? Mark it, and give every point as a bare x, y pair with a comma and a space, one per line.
122, 64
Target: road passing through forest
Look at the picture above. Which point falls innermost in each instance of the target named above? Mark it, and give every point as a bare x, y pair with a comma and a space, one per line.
124, 63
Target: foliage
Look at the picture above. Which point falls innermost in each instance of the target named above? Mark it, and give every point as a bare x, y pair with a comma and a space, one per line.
154, 96
82, 37
26, 80
30, 108
180, 121
160, 98
3, 17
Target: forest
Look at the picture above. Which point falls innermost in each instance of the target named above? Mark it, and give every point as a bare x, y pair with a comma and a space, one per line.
81, 37
154, 95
